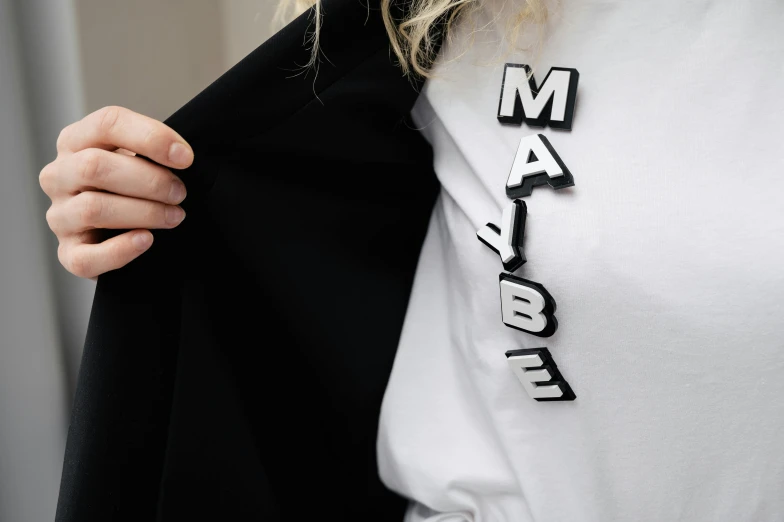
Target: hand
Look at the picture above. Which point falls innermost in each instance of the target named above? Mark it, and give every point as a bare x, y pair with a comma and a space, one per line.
96, 183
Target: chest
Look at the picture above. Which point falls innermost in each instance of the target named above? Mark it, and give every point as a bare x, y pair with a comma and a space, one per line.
672, 237
675, 144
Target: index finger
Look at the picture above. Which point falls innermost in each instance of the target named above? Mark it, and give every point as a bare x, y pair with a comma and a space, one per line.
116, 127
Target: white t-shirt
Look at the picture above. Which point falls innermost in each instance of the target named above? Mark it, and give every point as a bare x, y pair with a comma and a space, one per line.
666, 260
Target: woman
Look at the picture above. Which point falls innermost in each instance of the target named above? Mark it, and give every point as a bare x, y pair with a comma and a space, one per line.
647, 206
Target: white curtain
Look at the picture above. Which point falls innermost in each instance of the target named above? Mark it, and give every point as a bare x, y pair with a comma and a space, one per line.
43, 309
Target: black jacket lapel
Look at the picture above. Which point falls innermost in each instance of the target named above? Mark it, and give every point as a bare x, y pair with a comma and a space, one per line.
235, 371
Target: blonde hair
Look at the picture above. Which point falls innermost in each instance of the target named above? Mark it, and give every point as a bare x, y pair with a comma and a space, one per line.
413, 38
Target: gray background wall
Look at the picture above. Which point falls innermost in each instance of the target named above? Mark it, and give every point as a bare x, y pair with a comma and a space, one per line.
154, 55
59, 60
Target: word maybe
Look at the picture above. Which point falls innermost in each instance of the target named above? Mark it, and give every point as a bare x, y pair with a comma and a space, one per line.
527, 305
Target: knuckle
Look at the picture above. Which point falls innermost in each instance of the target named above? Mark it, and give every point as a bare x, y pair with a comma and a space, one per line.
79, 264
90, 166
62, 256
64, 136
89, 208
47, 176
51, 218
153, 138
115, 254
108, 119
156, 213
159, 185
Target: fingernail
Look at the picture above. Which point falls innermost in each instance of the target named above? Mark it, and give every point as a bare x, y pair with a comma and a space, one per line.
141, 240
179, 154
174, 215
176, 192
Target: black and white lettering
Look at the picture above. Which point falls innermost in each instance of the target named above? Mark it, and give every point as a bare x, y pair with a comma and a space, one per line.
552, 103
536, 163
539, 375
507, 241
527, 306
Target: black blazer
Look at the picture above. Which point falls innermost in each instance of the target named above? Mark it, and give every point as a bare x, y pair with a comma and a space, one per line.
235, 371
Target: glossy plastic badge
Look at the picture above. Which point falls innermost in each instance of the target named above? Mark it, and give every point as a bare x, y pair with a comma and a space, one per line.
536, 163
527, 306
551, 104
507, 241
537, 372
